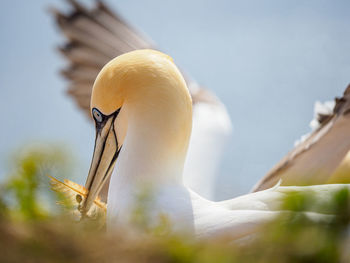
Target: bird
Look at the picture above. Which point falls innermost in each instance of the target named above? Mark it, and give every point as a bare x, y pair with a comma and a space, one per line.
96, 35
142, 111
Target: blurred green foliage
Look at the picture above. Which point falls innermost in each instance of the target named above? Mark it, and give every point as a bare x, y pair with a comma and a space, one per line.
24, 194
32, 229
301, 240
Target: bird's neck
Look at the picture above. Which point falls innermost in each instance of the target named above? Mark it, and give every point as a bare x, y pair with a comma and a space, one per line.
158, 132
154, 149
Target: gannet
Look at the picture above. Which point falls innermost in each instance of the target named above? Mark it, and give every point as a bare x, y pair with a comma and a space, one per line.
143, 116
96, 35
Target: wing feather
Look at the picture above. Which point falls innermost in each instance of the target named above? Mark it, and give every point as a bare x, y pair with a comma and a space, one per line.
316, 159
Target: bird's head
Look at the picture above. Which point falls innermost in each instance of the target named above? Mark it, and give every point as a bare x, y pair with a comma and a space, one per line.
143, 87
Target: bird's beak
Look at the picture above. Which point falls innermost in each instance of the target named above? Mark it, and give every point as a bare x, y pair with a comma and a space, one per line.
105, 155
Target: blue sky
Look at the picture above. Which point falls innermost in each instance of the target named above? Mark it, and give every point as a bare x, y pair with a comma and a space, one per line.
268, 61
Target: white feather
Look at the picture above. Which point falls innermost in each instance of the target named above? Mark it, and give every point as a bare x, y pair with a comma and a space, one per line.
320, 108
211, 129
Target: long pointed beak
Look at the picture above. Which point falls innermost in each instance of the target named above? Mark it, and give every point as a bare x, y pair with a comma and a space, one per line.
105, 155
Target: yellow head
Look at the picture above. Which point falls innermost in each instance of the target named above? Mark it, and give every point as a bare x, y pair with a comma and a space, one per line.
140, 94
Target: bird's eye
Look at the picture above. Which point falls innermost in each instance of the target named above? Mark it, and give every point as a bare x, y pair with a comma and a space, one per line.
97, 115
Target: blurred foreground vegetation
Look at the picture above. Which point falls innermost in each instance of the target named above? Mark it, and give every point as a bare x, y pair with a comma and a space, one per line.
34, 229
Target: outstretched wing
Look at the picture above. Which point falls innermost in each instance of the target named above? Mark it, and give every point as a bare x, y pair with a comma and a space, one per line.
94, 37
97, 35
320, 158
